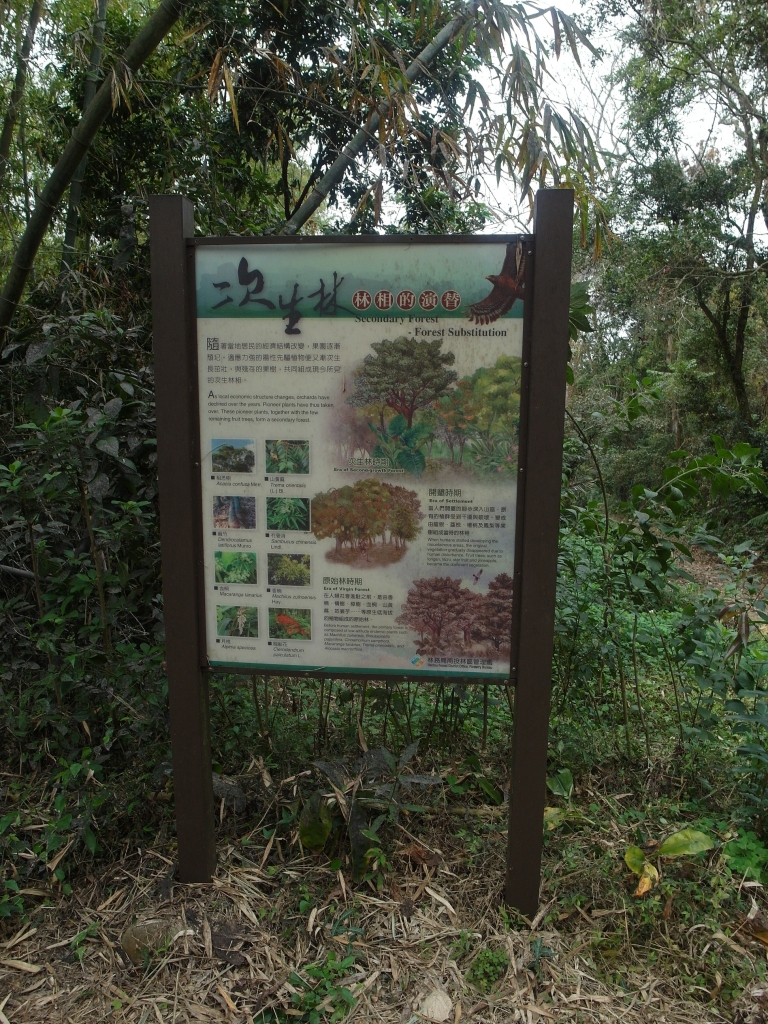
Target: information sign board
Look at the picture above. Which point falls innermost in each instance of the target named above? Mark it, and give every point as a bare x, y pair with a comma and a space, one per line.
359, 408
359, 459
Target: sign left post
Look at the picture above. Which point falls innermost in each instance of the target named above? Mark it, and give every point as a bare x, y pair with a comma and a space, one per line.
178, 460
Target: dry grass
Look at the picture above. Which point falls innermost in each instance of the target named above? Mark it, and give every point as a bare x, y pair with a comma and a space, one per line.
236, 945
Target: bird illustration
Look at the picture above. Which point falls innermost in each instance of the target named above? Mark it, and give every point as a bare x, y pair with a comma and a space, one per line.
507, 286
476, 575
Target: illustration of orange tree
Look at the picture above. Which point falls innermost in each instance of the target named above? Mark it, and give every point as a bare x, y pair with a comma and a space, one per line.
357, 515
404, 374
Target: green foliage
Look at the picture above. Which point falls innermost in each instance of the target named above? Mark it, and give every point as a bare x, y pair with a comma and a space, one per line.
746, 856
287, 456
235, 567
561, 784
237, 620
402, 446
323, 987
487, 969
288, 570
314, 823
288, 514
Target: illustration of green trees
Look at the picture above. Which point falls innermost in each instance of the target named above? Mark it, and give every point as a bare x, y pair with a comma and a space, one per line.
404, 374
459, 411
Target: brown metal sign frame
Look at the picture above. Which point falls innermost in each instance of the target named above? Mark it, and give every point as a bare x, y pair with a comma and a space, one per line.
542, 409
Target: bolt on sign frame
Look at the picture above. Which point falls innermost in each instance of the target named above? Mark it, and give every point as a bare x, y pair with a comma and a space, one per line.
230, 384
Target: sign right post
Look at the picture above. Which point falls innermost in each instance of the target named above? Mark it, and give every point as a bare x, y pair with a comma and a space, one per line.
536, 538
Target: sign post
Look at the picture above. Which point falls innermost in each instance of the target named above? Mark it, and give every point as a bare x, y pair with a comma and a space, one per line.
359, 457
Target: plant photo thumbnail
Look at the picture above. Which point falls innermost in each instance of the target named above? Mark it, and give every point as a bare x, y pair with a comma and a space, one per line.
234, 512
288, 570
233, 455
235, 567
290, 624
237, 620
288, 514
287, 456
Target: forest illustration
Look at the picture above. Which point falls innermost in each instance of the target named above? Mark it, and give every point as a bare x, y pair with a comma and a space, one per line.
288, 570
232, 456
237, 620
451, 619
409, 406
287, 456
234, 512
290, 624
371, 521
288, 514
235, 567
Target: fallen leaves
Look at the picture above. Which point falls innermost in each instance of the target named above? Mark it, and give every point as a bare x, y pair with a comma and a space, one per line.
437, 1006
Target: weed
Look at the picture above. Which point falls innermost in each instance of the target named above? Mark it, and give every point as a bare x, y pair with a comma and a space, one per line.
488, 968
324, 994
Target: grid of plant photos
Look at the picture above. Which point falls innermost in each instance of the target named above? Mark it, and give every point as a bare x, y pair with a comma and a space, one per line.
236, 568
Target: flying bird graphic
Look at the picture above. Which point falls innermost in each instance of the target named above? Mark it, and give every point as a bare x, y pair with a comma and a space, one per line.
476, 575
507, 286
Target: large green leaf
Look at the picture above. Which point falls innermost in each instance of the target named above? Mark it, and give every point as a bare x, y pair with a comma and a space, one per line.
685, 843
314, 823
411, 462
561, 784
397, 425
634, 858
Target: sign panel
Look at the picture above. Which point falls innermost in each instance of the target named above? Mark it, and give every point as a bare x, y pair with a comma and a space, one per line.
359, 424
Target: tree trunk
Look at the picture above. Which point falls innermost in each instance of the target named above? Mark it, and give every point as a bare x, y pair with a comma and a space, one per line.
733, 356
17, 93
76, 188
144, 44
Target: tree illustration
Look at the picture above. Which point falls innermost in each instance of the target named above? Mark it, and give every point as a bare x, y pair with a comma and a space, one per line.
404, 515
459, 411
441, 611
451, 619
497, 390
494, 622
404, 374
358, 515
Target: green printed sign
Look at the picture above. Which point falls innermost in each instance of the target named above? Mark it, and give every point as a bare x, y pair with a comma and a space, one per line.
359, 424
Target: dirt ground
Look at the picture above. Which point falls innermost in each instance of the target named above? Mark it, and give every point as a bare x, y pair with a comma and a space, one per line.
233, 948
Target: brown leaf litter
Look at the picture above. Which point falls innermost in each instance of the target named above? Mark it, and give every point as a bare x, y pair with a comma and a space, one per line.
230, 951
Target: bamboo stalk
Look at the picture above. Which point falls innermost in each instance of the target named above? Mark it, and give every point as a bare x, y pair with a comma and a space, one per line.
147, 39
367, 133
17, 93
105, 633
76, 187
